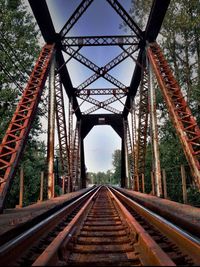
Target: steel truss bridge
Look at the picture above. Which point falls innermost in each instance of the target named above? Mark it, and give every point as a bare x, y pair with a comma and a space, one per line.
144, 50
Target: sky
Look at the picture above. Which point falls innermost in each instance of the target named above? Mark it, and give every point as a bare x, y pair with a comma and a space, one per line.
99, 19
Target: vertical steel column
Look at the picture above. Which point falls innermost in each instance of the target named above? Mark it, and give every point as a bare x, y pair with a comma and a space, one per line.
154, 135
123, 164
126, 154
51, 130
83, 171
62, 131
70, 140
133, 126
134, 138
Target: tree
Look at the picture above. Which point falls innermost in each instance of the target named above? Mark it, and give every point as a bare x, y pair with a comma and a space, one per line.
117, 166
19, 50
179, 40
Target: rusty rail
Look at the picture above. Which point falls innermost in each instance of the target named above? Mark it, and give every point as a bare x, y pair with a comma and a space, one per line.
183, 248
26, 245
104, 233
106, 229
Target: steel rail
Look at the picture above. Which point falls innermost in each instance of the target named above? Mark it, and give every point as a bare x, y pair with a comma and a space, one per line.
187, 242
26, 239
151, 252
50, 256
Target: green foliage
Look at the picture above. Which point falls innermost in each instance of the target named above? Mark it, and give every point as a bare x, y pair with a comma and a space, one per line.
179, 39
117, 166
33, 163
18, 51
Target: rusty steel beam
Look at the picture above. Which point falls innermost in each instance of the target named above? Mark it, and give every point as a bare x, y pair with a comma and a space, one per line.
100, 40
62, 131
76, 157
51, 130
154, 134
181, 115
75, 17
134, 131
126, 18
142, 124
130, 155
15, 138
70, 142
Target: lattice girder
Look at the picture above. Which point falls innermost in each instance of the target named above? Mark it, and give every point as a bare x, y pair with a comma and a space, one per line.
182, 118
100, 40
62, 130
14, 140
142, 124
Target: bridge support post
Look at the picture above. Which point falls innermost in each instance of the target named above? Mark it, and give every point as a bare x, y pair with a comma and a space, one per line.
123, 165
184, 188
21, 188
82, 160
51, 130
154, 136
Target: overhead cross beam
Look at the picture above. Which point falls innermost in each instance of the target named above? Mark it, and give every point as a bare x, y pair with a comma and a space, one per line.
100, 40
103, 91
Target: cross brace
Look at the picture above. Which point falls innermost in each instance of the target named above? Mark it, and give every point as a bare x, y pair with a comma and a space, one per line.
62, 130
126, 17
102, 72
103, 104
99, 72
75, 17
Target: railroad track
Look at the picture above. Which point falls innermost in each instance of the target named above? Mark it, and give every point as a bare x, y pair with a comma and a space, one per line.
105, 229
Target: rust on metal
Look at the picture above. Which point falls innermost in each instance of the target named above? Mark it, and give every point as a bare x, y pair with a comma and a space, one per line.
62, 132
51, 130
103, 233
154, 135
182, 118
142, 125
14, 140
